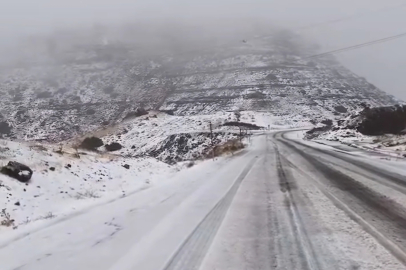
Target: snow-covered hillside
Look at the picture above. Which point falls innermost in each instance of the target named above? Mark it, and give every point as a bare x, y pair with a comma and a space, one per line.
65, 182
72, 84
171, 138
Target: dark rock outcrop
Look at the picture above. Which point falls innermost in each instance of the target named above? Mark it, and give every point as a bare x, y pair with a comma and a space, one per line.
382, 120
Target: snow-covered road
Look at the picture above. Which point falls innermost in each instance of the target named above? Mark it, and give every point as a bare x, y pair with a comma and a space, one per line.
280, 204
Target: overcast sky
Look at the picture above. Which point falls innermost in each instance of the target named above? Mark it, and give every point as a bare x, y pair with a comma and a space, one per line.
383, 64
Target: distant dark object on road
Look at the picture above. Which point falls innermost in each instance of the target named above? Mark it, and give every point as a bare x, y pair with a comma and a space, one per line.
18, 171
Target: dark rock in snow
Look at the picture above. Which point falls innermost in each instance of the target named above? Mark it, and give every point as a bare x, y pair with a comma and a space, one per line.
52, 168
271, 77
17, 204
113, 146
5, 128
18, 171
126, 166
327, 122
91, 143
341, 109
90, 112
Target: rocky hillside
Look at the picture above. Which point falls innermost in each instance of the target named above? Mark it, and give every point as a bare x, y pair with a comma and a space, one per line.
376, 121
71, 83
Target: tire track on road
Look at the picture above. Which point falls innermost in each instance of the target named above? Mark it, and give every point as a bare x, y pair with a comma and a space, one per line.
192, 252
378, 208
393, 177
301, 239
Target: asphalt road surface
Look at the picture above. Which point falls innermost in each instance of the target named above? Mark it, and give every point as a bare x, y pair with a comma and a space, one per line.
280, 204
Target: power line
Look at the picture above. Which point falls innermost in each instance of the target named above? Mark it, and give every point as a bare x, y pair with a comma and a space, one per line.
369, 43
342, 19
350, 17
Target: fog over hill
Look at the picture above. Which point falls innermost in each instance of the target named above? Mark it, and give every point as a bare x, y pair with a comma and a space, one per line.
74, 81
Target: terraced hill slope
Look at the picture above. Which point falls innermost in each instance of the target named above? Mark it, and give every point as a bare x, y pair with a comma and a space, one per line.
71, 83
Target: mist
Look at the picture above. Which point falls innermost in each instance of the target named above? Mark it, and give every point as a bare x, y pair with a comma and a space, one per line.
362, 21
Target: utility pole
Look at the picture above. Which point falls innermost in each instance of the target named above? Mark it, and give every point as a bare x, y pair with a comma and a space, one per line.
211, 133
211, 138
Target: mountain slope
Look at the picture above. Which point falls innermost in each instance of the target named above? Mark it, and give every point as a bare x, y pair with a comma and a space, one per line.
70, 87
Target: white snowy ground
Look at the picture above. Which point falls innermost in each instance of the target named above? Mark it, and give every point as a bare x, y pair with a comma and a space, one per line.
135, 228
75, 183
171, 225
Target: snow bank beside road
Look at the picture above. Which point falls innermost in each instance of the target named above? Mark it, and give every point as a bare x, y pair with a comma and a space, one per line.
63, 183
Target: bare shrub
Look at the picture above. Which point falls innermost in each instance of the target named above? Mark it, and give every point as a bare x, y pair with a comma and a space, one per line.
49, 215
87, 194
7, 220
228, 147
39, 147
60, 150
